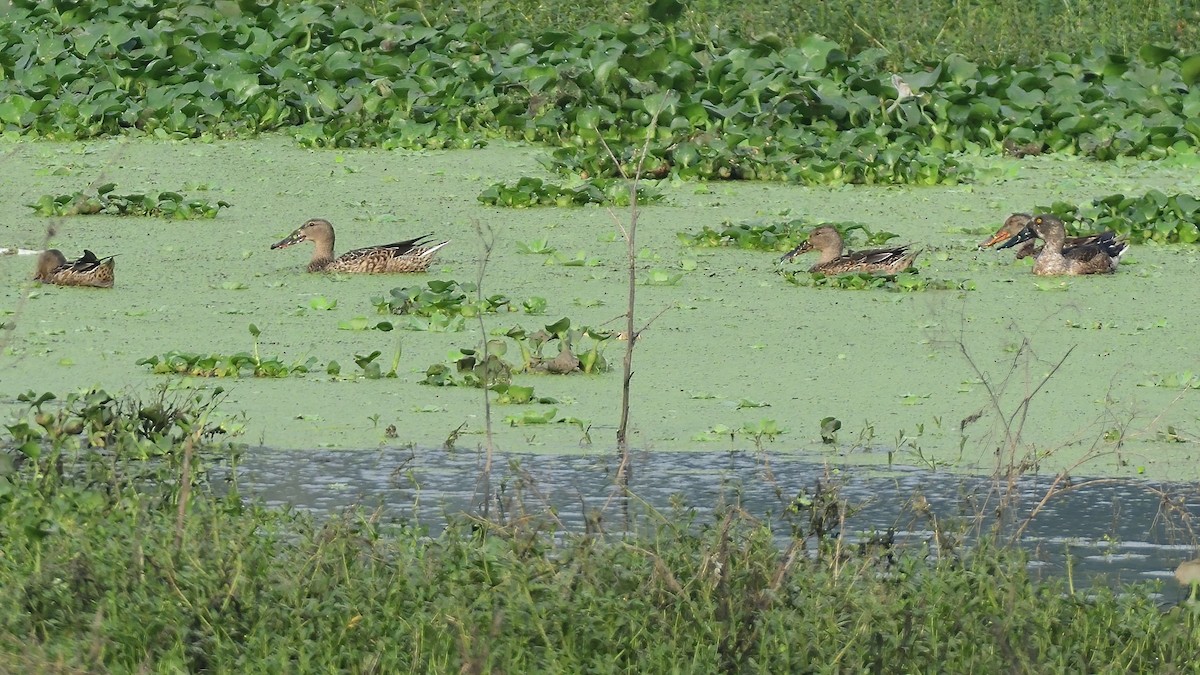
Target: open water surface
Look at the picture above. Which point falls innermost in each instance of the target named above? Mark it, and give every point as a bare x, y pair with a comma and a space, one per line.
1104, 531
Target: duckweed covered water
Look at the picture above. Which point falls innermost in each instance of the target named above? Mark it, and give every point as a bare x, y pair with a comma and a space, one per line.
736, 345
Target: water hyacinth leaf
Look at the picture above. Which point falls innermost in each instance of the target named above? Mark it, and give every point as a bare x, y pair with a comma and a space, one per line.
531, 417
450, 86
664, 11
748, 403
513, 393
535, 246
497, 347
658, 277
535, 305
15, 108
829, 428
1155, 55
367, 362
817, 51
320, 302
1189, 70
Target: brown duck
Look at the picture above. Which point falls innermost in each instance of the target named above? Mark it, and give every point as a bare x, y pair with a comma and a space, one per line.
410, 255
828, 241
1017, 221
1053, 260
87, 270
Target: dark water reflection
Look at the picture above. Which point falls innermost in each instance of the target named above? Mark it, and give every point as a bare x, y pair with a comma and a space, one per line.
1111, 531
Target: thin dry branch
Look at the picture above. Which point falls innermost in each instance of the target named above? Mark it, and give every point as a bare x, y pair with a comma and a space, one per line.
630, 234
487, 237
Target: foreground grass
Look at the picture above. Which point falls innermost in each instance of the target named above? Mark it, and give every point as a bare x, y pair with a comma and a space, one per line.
102, 569
250, 590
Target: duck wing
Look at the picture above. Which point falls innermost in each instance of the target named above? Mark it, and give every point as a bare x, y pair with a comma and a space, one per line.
87, 262
392, 250
1107, 248
878, 256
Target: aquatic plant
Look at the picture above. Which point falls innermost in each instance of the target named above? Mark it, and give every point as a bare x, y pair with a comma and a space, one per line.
738, 108
580, 350
247, 364
322, 304
52, 423
242, 364
777, 235
534, 306
765, 429
829, 428
528, 417
661, 277
363, 323
580, 259
527, 191
171, 205
473, 368
904, 282
1153, 216
519, 394
439, 300
535, 246
1184, 379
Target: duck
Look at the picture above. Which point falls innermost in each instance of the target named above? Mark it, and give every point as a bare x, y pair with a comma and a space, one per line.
410, 255
828, 241
87, 270
1097, 258
1017, 222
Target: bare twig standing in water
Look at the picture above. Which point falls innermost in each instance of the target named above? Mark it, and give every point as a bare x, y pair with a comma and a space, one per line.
484, 487
629, 232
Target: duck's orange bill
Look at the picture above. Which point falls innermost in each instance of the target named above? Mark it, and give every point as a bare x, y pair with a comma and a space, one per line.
1002, 235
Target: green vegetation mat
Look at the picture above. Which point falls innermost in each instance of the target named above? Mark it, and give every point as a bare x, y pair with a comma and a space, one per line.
727, 106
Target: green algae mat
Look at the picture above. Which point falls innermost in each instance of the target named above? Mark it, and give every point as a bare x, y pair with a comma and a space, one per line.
970, 363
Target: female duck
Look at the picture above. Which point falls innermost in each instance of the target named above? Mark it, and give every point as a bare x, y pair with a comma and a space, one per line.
1096, 258
1017, 221
87, 270
828, 241
410, 255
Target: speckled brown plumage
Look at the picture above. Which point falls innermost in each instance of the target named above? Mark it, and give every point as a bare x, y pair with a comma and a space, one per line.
1017, 221
828, 241
410, 255
1096, 258
87, 270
